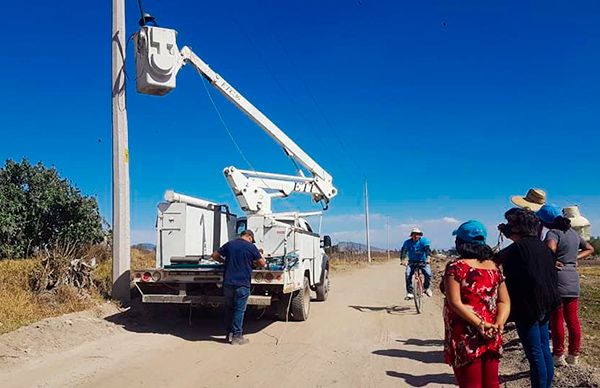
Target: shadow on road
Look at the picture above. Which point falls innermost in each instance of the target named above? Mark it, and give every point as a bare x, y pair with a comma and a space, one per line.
192, 324
423, 380
420, 342
505, 378
428, 357
398, 310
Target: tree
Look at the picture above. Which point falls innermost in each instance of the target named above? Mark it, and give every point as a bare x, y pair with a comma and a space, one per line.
595, 242
39, 209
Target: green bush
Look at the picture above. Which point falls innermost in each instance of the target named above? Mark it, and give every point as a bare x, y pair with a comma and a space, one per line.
40, 209
595, 242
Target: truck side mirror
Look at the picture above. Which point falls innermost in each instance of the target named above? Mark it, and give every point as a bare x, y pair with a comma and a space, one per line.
326, 242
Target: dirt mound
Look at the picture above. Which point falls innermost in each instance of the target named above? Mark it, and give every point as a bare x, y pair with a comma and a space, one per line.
55, 334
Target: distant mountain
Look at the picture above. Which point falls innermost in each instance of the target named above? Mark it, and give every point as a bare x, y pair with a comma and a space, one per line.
348, 246
145, 246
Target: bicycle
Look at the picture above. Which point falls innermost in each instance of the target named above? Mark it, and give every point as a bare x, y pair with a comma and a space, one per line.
418, 285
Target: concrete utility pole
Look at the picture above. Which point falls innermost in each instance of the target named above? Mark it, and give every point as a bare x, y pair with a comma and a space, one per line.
367, 221
120, 164
387, 227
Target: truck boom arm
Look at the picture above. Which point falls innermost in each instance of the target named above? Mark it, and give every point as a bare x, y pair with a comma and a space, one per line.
321, 185
158, 61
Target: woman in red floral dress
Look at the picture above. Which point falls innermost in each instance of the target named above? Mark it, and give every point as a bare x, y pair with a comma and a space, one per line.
475, 310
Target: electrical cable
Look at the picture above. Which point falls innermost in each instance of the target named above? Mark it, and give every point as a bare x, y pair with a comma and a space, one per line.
229, 132
237, 146
141, 11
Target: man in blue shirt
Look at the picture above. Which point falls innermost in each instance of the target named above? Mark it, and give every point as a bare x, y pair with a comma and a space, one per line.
240, 255
418, 251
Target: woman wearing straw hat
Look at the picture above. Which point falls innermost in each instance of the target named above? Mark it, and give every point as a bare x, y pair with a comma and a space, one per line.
532, 285
533, 200
568, 247
578, 222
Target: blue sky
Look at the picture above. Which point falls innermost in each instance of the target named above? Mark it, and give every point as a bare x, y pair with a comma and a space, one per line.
447, 107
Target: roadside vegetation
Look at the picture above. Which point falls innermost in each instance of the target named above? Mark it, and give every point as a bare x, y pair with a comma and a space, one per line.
30, 291
590, 312
55, 248
344, 261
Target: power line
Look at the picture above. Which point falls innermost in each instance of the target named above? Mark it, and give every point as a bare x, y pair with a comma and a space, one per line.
237, 146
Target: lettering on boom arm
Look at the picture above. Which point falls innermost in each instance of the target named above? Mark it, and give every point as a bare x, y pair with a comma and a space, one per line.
230, 90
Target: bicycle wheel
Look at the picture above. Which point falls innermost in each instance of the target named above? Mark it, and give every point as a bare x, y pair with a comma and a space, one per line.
418, 291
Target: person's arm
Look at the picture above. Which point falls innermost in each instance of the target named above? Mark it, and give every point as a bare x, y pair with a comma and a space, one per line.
260, 260
552, 244
428, 252
503, 306
586, 249
403, 253
464, 311
218, 254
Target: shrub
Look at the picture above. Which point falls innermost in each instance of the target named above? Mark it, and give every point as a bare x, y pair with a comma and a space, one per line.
595, 242
39, 208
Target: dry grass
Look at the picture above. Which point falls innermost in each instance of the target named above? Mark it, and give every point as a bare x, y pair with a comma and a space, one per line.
344, 261
18, 306
21, 305
590, 313
141, 258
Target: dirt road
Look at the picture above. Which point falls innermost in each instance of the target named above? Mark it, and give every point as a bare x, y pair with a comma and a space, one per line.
365, 335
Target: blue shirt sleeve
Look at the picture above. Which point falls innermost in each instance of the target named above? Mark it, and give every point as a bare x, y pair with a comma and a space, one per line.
255, 253
223, 250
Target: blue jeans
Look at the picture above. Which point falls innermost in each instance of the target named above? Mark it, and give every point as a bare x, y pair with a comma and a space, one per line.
536, 343
236, 299
409, 273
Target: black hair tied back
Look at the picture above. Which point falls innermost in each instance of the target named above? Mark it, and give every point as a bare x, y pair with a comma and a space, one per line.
522, 222
468, 250
561, 223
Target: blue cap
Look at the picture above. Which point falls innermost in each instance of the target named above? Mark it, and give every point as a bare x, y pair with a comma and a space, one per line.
472, 232
548, 213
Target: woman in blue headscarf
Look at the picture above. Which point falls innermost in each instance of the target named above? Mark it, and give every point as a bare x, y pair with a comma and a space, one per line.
568, 247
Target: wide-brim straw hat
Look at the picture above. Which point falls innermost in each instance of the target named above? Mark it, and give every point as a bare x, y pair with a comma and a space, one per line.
573, 214
533, 200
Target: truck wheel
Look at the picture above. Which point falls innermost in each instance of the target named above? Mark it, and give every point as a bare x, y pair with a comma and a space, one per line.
281, 308
300, 306
323, 288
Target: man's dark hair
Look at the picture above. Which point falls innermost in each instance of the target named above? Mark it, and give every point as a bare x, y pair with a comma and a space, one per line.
468, 250
522, 222
248, 232
560, 223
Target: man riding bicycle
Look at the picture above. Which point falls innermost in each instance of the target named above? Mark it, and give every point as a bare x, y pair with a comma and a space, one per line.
418, 251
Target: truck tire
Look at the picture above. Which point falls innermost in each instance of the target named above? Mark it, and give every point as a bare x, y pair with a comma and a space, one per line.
323, 288
281, 308
300, 306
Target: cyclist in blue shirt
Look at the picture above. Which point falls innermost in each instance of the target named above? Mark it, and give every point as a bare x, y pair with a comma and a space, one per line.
418, 250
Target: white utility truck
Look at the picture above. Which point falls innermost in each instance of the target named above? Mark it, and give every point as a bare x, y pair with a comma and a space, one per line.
190, 229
